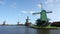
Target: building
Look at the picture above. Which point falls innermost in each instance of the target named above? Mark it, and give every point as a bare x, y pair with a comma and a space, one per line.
28, 24
56, 24
18, 24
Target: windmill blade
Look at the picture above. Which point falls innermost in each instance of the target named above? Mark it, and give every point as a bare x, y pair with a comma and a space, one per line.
49, 12
36, 13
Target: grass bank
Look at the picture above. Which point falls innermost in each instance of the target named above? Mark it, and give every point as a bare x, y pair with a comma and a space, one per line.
49, 27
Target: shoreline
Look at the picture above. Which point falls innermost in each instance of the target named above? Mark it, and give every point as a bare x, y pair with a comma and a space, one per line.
35, 27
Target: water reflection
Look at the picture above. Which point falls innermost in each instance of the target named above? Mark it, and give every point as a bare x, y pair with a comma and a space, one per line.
30, 31
26, 30
43, 31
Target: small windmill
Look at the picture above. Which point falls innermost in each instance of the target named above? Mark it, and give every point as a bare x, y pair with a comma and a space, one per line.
27, 21
4, 23
18, 23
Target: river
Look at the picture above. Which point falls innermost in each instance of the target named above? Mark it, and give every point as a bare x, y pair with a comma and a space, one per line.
26, 30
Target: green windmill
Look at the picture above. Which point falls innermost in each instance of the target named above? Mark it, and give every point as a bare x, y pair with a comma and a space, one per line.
43, 21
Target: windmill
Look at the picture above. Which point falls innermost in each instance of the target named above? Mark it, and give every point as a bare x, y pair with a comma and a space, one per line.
18, 23
27, 21
43, 21
4, 23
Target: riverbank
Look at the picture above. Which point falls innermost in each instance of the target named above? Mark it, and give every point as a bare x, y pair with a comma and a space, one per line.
47, 27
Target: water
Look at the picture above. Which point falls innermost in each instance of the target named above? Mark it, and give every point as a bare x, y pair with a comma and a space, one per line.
25, 30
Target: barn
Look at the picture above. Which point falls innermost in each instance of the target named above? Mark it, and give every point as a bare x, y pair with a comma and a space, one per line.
56, 24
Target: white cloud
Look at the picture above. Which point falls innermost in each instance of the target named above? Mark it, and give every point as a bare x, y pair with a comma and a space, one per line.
39, 5
57, 0
38, 14
24, 12
59, 5
13, 5
51, 4
31, 12
27, 12
49, 1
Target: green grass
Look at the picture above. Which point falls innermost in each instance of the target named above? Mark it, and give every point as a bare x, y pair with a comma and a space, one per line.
44, 27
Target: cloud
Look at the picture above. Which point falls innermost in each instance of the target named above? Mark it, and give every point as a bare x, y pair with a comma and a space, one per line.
24, 12
57, 0
39, 5
13, 5
31, 12
49, 1
51, 4
28, 12
58, 5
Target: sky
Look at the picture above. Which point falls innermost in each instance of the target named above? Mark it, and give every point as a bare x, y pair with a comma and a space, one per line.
13, 11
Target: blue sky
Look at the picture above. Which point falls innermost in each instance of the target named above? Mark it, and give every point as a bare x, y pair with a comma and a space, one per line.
13, 11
